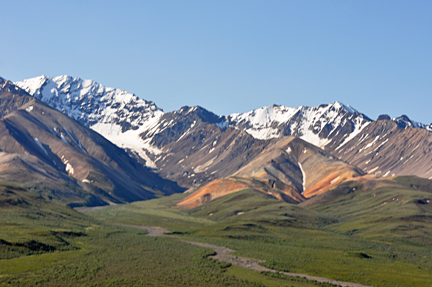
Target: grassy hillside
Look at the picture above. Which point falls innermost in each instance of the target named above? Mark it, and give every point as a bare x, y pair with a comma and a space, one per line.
70, 248
399, 210
43, 243
347, 234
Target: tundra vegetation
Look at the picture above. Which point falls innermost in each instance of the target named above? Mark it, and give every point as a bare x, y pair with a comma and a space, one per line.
376, 233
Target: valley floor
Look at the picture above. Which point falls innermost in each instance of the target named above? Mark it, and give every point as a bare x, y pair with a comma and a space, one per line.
351, 238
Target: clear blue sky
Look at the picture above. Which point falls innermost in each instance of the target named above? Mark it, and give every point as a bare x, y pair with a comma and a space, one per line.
232, 56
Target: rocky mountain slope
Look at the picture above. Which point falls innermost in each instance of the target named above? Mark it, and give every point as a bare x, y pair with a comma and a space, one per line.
384, 147
194, 146
288, 169
117, 115
54, 154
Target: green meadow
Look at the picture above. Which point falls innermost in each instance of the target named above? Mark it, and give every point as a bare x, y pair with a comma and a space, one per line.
377, 235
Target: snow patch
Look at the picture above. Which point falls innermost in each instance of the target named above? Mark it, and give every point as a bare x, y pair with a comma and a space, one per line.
303, 176
370, 144
69, 168
358, 128
63, 138
334, 180
40, 145
222, 125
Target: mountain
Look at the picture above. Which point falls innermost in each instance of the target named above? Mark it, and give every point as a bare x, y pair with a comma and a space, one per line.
288, 169
49, 152
117, 115
384, 147
317, 125
194, 146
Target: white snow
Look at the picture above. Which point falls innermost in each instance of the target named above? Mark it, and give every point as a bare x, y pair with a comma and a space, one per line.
69, 168
303, 175
358, 128
334, 180
222, 125
131, 139
304, 122
99, 107
40, 145
370, 144
104, 109
63, 138
381, 144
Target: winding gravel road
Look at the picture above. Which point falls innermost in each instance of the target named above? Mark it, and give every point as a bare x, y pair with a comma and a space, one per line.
223, 254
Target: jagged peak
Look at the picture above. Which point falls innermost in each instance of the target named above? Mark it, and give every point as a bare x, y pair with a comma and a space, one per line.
67, 85
200, 112
405, 122
347, 108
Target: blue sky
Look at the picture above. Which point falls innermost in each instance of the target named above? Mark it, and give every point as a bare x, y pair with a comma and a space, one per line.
232, 56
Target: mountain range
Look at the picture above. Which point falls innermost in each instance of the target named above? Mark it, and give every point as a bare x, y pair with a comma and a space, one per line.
291, 153
55, 155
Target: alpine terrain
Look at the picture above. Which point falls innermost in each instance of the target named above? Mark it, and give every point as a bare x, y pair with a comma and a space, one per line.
193, 146
63, 160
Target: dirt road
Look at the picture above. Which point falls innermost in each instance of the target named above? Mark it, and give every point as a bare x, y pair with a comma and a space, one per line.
223, 254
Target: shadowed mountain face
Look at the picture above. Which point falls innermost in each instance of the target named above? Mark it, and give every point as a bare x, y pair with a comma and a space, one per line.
45, 149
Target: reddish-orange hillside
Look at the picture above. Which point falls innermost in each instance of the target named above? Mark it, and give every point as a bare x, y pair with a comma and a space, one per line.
213, 190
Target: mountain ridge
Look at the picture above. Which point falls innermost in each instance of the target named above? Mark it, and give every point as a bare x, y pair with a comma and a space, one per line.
167, 141
53, 153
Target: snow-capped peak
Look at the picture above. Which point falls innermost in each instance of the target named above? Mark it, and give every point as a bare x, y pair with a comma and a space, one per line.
90, 102
312, 124
116, 114
347, 108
